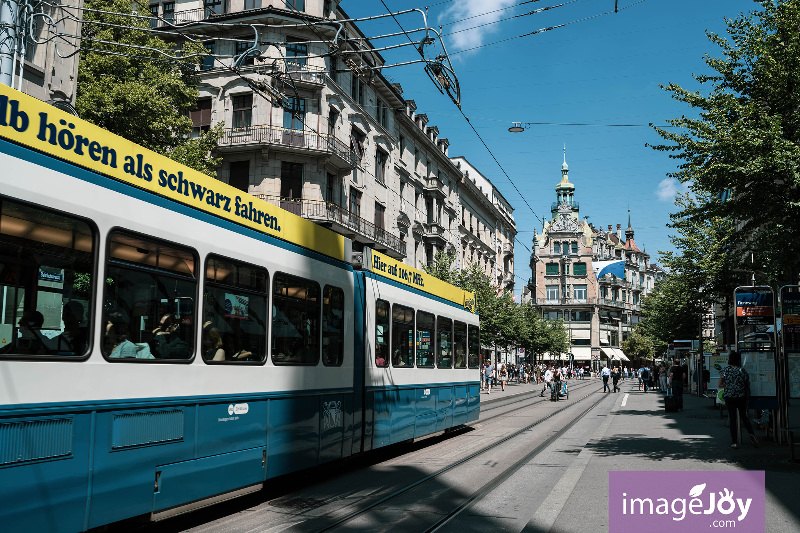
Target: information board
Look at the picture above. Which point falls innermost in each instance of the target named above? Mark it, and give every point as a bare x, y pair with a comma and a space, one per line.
790, 333
755, 317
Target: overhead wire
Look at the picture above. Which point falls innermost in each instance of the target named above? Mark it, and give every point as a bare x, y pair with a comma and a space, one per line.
545, 29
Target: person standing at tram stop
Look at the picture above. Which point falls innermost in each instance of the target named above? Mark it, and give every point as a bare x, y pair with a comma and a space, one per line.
676, 377
735, 382
605, 373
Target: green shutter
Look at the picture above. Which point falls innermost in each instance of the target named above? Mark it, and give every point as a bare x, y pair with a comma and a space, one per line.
579, 269
552, 269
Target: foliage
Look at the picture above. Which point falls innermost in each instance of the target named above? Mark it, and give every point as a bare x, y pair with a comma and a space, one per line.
504, 324
638, 345
142, 94
671, 311
741, 155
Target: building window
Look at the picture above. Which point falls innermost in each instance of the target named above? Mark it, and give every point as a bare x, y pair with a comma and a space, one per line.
334, 68
169, 12
380, 166
297, 5
357, 89
294, 115
291, 180
552, 315
574, 248
355, 202
581, 342
326, 8
551, 269
380, 212
580, 316
208, 61
579, 292
154, 14
296, 53
357, 143
252, 4
333, 193
552, 293
241, 48
556, 248
212, 7
242, 111
239, 175
201, 117
579, 269
402, 145
382, 115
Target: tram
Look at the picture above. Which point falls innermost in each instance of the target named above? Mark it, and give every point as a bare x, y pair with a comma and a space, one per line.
168, 342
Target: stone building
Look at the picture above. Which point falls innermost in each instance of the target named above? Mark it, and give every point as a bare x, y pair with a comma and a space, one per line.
487, 227
324, 135
49, 66
598, 313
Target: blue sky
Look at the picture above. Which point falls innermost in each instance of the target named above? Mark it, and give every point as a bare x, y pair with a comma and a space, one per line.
603, 70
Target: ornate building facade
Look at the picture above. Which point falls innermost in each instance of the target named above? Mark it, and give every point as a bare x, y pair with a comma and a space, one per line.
348, 151
598, 313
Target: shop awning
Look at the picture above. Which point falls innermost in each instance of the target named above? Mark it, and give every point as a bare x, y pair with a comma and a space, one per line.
621, 354
614, 353
608, 352
582, 353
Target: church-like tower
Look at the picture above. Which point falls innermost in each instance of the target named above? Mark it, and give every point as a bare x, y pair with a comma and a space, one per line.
565, 192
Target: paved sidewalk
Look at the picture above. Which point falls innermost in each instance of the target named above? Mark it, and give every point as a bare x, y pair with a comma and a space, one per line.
640, 436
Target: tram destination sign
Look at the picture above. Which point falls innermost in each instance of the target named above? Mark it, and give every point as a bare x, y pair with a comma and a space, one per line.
754, 308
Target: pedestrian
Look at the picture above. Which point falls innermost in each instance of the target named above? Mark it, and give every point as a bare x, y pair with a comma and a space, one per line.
548, 376
676, 377
736, 384
615, 375
503, 376
488, 372
706, 378
605, 374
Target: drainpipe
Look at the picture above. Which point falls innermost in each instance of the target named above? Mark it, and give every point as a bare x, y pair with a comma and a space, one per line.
8, 36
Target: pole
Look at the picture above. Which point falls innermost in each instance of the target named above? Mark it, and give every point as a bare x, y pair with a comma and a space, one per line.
8, 38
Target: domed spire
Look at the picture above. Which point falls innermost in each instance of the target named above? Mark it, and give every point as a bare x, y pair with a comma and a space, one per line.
565, 184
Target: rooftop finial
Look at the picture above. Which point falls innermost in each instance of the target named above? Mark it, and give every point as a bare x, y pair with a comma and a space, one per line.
565, 166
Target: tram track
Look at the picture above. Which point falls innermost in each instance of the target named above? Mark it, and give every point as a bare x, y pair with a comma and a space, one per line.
469, 500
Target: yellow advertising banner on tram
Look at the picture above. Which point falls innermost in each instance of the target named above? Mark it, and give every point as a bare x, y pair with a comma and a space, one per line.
393, 269
37, 125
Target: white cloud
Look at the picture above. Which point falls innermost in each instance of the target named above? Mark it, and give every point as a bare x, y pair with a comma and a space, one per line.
668, 188
462, 9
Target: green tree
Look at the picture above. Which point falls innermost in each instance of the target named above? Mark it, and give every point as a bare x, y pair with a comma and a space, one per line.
140, 93
638, 345
442, 266
740, 150
671, 311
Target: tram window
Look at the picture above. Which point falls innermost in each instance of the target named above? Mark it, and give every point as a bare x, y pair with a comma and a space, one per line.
46, 283
381, 333
295, 320
332, 326
460, 344
444, 342
150, 299
402, 336
474, 351
234, 312
426, 325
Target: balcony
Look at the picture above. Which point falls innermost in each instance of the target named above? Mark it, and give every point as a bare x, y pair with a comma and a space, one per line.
343, 222
508, 249
435, 187
554, 206
307, 142
301, 74
188, 16
434, 232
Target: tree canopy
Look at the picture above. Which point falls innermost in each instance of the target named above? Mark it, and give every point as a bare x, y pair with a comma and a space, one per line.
504, 324
739, 153
141, 93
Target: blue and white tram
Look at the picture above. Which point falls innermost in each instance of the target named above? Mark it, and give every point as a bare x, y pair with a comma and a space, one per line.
163, 349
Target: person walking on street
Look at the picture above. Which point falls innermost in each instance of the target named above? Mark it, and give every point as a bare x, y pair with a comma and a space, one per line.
502, 374
676, 377
615, 375
736, 384
605, 374
488, 372
548, 376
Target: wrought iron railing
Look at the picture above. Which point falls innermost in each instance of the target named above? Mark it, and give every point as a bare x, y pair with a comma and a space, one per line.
329, 212
288, 137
